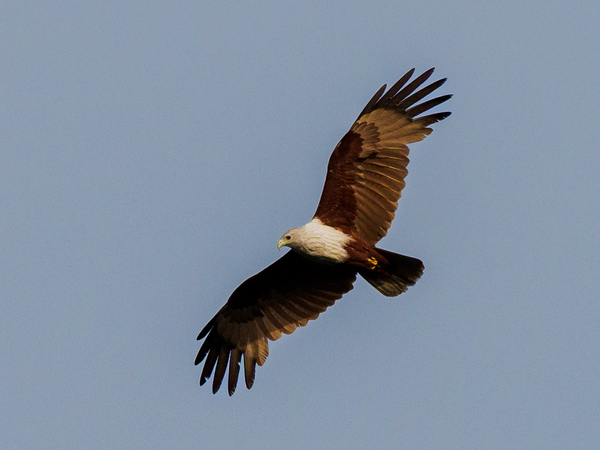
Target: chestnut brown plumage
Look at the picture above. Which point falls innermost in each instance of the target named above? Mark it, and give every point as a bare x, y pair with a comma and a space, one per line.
365, 178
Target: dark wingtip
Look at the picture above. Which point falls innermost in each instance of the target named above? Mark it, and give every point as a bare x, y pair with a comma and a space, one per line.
200, 357
206, 329
424, 76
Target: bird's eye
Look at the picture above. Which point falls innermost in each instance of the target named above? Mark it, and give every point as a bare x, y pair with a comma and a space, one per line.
288, 237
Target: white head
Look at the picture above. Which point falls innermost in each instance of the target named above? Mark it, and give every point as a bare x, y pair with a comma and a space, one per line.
291, 238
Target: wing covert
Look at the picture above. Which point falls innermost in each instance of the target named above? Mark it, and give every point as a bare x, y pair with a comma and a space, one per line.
366, 171
277, 300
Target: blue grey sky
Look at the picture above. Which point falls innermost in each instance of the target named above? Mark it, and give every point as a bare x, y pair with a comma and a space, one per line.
152, 154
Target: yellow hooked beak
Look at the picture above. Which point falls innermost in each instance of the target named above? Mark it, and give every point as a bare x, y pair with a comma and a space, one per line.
284, 241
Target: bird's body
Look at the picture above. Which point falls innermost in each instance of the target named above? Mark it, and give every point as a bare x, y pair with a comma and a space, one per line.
365, 178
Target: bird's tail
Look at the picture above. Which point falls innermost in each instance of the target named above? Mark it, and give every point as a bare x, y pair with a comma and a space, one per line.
395, 277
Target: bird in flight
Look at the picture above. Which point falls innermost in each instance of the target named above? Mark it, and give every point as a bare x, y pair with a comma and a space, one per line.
365, 178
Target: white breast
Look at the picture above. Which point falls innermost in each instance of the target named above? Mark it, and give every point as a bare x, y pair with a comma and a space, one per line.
322, 242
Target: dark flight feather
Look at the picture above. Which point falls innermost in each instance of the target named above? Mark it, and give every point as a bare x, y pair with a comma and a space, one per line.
272, 301
365, 174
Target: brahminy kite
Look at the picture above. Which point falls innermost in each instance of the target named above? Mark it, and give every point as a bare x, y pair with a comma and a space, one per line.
365, 177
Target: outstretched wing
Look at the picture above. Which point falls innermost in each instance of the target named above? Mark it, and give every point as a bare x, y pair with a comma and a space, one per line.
285, 295
366, 171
